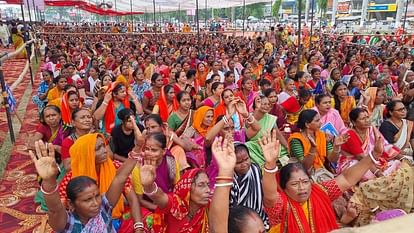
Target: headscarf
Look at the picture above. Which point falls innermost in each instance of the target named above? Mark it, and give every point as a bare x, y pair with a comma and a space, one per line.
66, 111
109, 116
163, 105
199, 115
83, 154
372, 93
181, 204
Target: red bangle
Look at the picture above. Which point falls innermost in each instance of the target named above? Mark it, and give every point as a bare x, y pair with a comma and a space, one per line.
224, 178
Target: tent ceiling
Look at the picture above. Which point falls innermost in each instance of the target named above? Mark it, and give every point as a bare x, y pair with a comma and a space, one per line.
172, 5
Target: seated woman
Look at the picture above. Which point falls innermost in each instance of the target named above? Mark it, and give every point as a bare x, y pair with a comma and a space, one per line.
237, 219
396, 129
50, 129
300, 205
329, 114
181, 118
214, 100
82, 124
227, 101
151, 96
70, 102
277, 110
55, 94
89, 157
185, 209
40, 99
167, 103
375, 104
311, 147
116, 99
165, 175
202, 123
362, 143
266, 121
342, 101
288, 91
96, 217
246, 92
101, 86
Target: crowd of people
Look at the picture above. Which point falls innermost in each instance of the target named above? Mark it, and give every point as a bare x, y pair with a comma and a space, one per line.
174, 133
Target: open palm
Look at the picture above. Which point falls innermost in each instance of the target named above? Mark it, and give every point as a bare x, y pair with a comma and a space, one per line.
45, 162
147, 173
270, 147
223, 151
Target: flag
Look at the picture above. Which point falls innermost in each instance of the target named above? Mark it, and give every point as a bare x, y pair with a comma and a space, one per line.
11, 101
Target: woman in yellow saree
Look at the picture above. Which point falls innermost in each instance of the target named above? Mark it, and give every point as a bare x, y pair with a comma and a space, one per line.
18, 42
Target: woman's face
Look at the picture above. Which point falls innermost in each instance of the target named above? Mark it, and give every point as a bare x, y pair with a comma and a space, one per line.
385, 69
219, 90
106, 81
183, 78
185, 102
73, 101
374, 75
171, 95
290, 85
363, 121
152, 127
272, 98
248, 85
381, 97
216, 79
186, 66
243, 162
410, 77
51, 117
200, 190
93, 73
315, 124
46, 76
265, 106
336, 75
201, 67
153, 150
88, 202
400, 111
298, 186
208, 118
333, 64
358, 71
139, 75
325, 105
341, 91
100, 151
230, 78
316, 75
292, 73
355, 82
62, 83
228, 96
121, 94
83, 120
159, 82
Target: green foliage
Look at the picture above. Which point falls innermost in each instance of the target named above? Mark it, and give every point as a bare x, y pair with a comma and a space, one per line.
276, 8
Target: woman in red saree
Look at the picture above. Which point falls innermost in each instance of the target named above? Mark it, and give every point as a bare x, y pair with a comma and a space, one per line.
167, 103
70, 102
300, 205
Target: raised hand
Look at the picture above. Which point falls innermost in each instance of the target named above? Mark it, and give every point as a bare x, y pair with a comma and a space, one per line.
148, 173
379, 145
44, 160
241, 108
108, 96
342, 139
223, 151
270, 147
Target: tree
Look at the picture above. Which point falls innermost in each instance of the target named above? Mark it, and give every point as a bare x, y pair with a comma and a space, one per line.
323, 6
276, 8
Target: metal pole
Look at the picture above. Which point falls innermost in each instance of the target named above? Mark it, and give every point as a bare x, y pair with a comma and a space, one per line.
299, 31
21, 8
132, 18
311, 30
198, 27
244, 14
153, 3
34, 12
4, 93
205, 15
179, 17
405, 16
28, 9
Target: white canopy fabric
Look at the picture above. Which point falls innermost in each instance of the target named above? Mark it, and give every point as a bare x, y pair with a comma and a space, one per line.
173, 5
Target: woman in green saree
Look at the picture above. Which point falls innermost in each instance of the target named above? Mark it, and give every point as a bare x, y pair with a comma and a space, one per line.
181, 119
267, 122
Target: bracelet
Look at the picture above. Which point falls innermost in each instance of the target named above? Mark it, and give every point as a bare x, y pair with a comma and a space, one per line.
153, 192
376, 162
139, 225
48, 193
104, 103
274, 170
226, 121
251, 121
225, 178
376, 171
224, 185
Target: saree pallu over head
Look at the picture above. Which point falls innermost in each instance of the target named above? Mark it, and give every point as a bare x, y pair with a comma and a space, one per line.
66, 111
320, 139
83, 154
109, 116
199, 115
163, 105
181, 204
321, 217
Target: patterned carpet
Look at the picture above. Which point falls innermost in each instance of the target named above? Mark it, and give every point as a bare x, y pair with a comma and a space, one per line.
18, 213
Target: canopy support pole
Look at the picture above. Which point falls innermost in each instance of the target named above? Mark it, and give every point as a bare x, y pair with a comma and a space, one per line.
299, 31
205, 15
28, 9
198, 27
311, 29
405, 16
34, 11
179, 17
155, 27
244, 14
132, 18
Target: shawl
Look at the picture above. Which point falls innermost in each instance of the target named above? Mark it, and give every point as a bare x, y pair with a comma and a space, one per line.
181, 204
82, 154
163, 105
109, 117
199, 115
320, 139
66, 111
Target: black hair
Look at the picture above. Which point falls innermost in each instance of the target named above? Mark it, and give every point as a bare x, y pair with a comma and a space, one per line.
59, 77
181, 94
240, 147
177, 75
354, 113
268, 91
298, 75
124, 114
167, 88
215, 85
215, 75
75, 112
391, 106
77, 185
159, 137
306, 117
208, 81
136, 71
228, 73
314, 70
303, 92
190, 73
319, 98
264, 81
378, 84
333, 92
154, 117
286, 172
254, 101
49, 72
154, 77
238, 216
69, 86
42, 113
